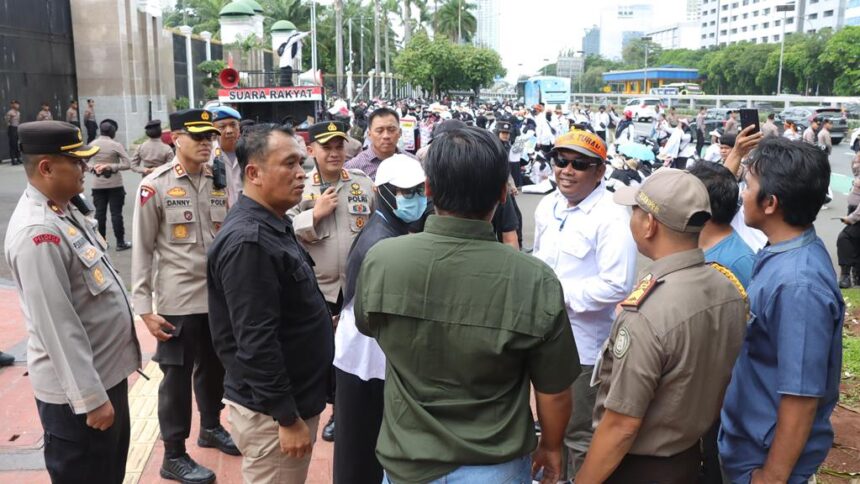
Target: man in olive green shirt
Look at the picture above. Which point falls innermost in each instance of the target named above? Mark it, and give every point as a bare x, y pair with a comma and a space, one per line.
467, 325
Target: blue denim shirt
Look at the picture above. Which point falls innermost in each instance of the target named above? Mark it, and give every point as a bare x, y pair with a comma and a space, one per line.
793, 347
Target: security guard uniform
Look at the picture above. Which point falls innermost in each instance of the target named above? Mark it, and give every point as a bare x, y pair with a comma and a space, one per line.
82, 344
152, 153
671, 350
328, 242
176, 216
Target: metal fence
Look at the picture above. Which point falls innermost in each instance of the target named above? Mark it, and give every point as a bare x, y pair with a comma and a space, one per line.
198, 55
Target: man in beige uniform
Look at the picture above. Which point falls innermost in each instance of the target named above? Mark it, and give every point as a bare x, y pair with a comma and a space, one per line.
335, 205
664, 370
106, 168
176, 214
153, 152
72, 114
45, 113
13, 119
90, 120
82, 344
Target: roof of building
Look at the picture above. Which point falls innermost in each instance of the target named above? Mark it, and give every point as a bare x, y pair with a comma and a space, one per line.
283, 25
237, 9
254, 5
662, 72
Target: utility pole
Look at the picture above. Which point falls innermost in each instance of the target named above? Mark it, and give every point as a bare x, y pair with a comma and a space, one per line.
377, 13
338, 44
361, 43
788, 7
645, 70
387, 56
314, 37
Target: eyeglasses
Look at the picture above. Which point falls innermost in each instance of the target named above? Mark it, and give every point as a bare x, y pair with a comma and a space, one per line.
408, 193
198, 137
578, 165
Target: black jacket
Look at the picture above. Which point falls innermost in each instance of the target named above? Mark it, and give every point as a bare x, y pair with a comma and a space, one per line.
270, 324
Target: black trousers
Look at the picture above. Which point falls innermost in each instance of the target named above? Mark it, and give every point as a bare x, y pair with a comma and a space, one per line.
77, 454
700, 142
92, 130
711, 472
516, 173
115, 198
14, 153
188, 356
681, 468
358, 412
848, 245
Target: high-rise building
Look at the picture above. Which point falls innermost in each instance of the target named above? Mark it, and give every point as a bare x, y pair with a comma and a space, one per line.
694, 8
725, 22
487, 16
681, 35
591, 41
620, 23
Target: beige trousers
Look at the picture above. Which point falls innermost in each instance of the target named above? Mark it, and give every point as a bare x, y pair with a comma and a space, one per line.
256, 436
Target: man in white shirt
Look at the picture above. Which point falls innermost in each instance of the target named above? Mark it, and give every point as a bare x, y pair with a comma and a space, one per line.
543, 129
600, 122
584, 236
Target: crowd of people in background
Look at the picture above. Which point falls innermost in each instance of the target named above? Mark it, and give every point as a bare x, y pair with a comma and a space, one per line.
391, 281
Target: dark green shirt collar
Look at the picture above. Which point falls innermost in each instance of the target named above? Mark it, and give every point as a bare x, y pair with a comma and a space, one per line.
462, 228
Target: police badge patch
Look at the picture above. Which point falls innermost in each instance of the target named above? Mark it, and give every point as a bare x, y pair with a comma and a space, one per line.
622, 343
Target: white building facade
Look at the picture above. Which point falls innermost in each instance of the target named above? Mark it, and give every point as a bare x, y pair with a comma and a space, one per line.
725, 22
682, 35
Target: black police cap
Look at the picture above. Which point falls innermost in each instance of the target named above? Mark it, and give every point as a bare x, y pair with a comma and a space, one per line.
193, 121
327, 130
53, 138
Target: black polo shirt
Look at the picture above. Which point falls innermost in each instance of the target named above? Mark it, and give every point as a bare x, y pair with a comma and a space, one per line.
270, 324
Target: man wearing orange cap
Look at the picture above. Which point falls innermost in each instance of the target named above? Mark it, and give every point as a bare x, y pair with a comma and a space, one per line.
584, 236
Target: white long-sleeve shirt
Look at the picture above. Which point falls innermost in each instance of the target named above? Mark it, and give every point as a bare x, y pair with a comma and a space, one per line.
592, 252
543, 132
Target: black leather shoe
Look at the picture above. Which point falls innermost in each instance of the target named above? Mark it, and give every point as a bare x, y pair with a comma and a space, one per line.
186, 471
6, 359
845, 281
120, 246
328, 430
218, 438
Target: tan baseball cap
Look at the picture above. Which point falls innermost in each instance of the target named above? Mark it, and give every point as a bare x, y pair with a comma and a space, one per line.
676, 198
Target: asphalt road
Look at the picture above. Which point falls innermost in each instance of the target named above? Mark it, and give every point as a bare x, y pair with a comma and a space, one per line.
13, 181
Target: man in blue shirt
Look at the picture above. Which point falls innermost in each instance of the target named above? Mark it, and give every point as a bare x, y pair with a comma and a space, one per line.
718, 239
785, 384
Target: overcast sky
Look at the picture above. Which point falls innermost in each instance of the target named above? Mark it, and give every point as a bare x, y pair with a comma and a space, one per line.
534, 30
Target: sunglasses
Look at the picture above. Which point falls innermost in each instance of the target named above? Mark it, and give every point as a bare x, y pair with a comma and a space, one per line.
409, 193
207, 136
578, 165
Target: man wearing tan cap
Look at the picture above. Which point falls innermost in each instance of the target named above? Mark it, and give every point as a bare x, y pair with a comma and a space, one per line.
665, 367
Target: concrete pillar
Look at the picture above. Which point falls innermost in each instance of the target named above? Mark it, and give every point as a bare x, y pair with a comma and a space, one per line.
207, 36
370, 75
186, 31
349, 86
382, 89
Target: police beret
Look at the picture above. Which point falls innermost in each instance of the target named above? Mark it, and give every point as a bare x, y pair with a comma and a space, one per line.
225, 112
53, 138
193, 121
155, 123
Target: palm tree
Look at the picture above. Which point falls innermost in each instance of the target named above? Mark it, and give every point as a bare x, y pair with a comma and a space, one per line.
455, 20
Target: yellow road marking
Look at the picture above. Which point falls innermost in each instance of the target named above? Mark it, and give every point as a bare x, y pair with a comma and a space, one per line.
143, 410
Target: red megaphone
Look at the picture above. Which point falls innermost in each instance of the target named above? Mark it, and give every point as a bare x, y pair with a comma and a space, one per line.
229, 78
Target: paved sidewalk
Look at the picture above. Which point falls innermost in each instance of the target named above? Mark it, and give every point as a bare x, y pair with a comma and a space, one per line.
21, 434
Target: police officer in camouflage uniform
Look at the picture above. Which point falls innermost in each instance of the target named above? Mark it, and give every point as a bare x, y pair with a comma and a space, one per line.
335, 205
177, 212
82, 344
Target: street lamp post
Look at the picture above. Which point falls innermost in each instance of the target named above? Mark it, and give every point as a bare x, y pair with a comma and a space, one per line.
645, 70
788, 7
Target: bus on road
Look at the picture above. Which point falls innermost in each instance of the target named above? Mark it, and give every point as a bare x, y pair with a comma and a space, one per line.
549, 90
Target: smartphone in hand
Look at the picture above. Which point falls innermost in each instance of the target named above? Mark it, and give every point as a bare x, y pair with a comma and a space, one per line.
749, 117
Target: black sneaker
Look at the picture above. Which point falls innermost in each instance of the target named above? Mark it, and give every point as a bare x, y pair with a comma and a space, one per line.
186, 471
845, 281
218, 438
121, 246
6, 359
328, 430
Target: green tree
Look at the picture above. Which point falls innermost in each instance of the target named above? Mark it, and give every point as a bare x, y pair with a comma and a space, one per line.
479, 66
633, 53
200, 15
677, 57
842, 55
455, 20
